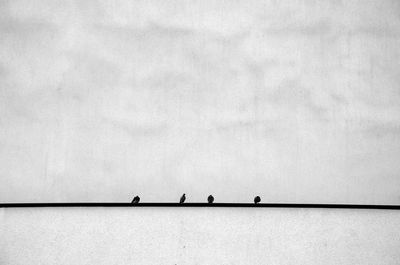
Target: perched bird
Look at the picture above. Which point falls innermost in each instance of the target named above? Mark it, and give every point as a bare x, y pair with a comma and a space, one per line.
210, 199
257, 199
136, 199
183, 198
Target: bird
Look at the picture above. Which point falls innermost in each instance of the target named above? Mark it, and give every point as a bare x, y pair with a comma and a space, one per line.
210, 199
136, 199
257, 199
183, 198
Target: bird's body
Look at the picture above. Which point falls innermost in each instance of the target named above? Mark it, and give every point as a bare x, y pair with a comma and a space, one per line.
183, 198
210, 199
257, 199
136, 199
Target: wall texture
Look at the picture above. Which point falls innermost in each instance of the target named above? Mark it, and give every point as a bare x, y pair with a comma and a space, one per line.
198, 236
297, 101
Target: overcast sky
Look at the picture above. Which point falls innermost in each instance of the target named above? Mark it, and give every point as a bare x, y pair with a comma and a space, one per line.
295, 101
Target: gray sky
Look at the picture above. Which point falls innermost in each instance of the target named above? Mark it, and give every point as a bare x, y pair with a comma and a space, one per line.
295, 101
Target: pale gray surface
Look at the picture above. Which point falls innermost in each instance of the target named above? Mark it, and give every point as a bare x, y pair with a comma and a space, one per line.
198, 236
297, 101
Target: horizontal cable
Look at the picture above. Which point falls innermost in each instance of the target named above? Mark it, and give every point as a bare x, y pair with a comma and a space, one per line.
190, 204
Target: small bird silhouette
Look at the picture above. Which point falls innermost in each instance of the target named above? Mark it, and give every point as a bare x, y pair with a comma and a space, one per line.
257, 199
210, 199
136, 199
183, 198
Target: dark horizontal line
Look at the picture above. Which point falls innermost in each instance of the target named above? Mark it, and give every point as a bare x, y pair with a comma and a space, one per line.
173, 204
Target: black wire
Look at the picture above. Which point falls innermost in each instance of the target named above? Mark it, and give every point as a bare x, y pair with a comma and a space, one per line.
173, 204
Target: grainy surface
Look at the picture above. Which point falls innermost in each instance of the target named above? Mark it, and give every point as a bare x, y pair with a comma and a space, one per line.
295, 101
198, 236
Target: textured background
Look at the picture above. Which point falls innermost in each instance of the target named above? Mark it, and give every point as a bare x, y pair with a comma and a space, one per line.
199, 236
297, 101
